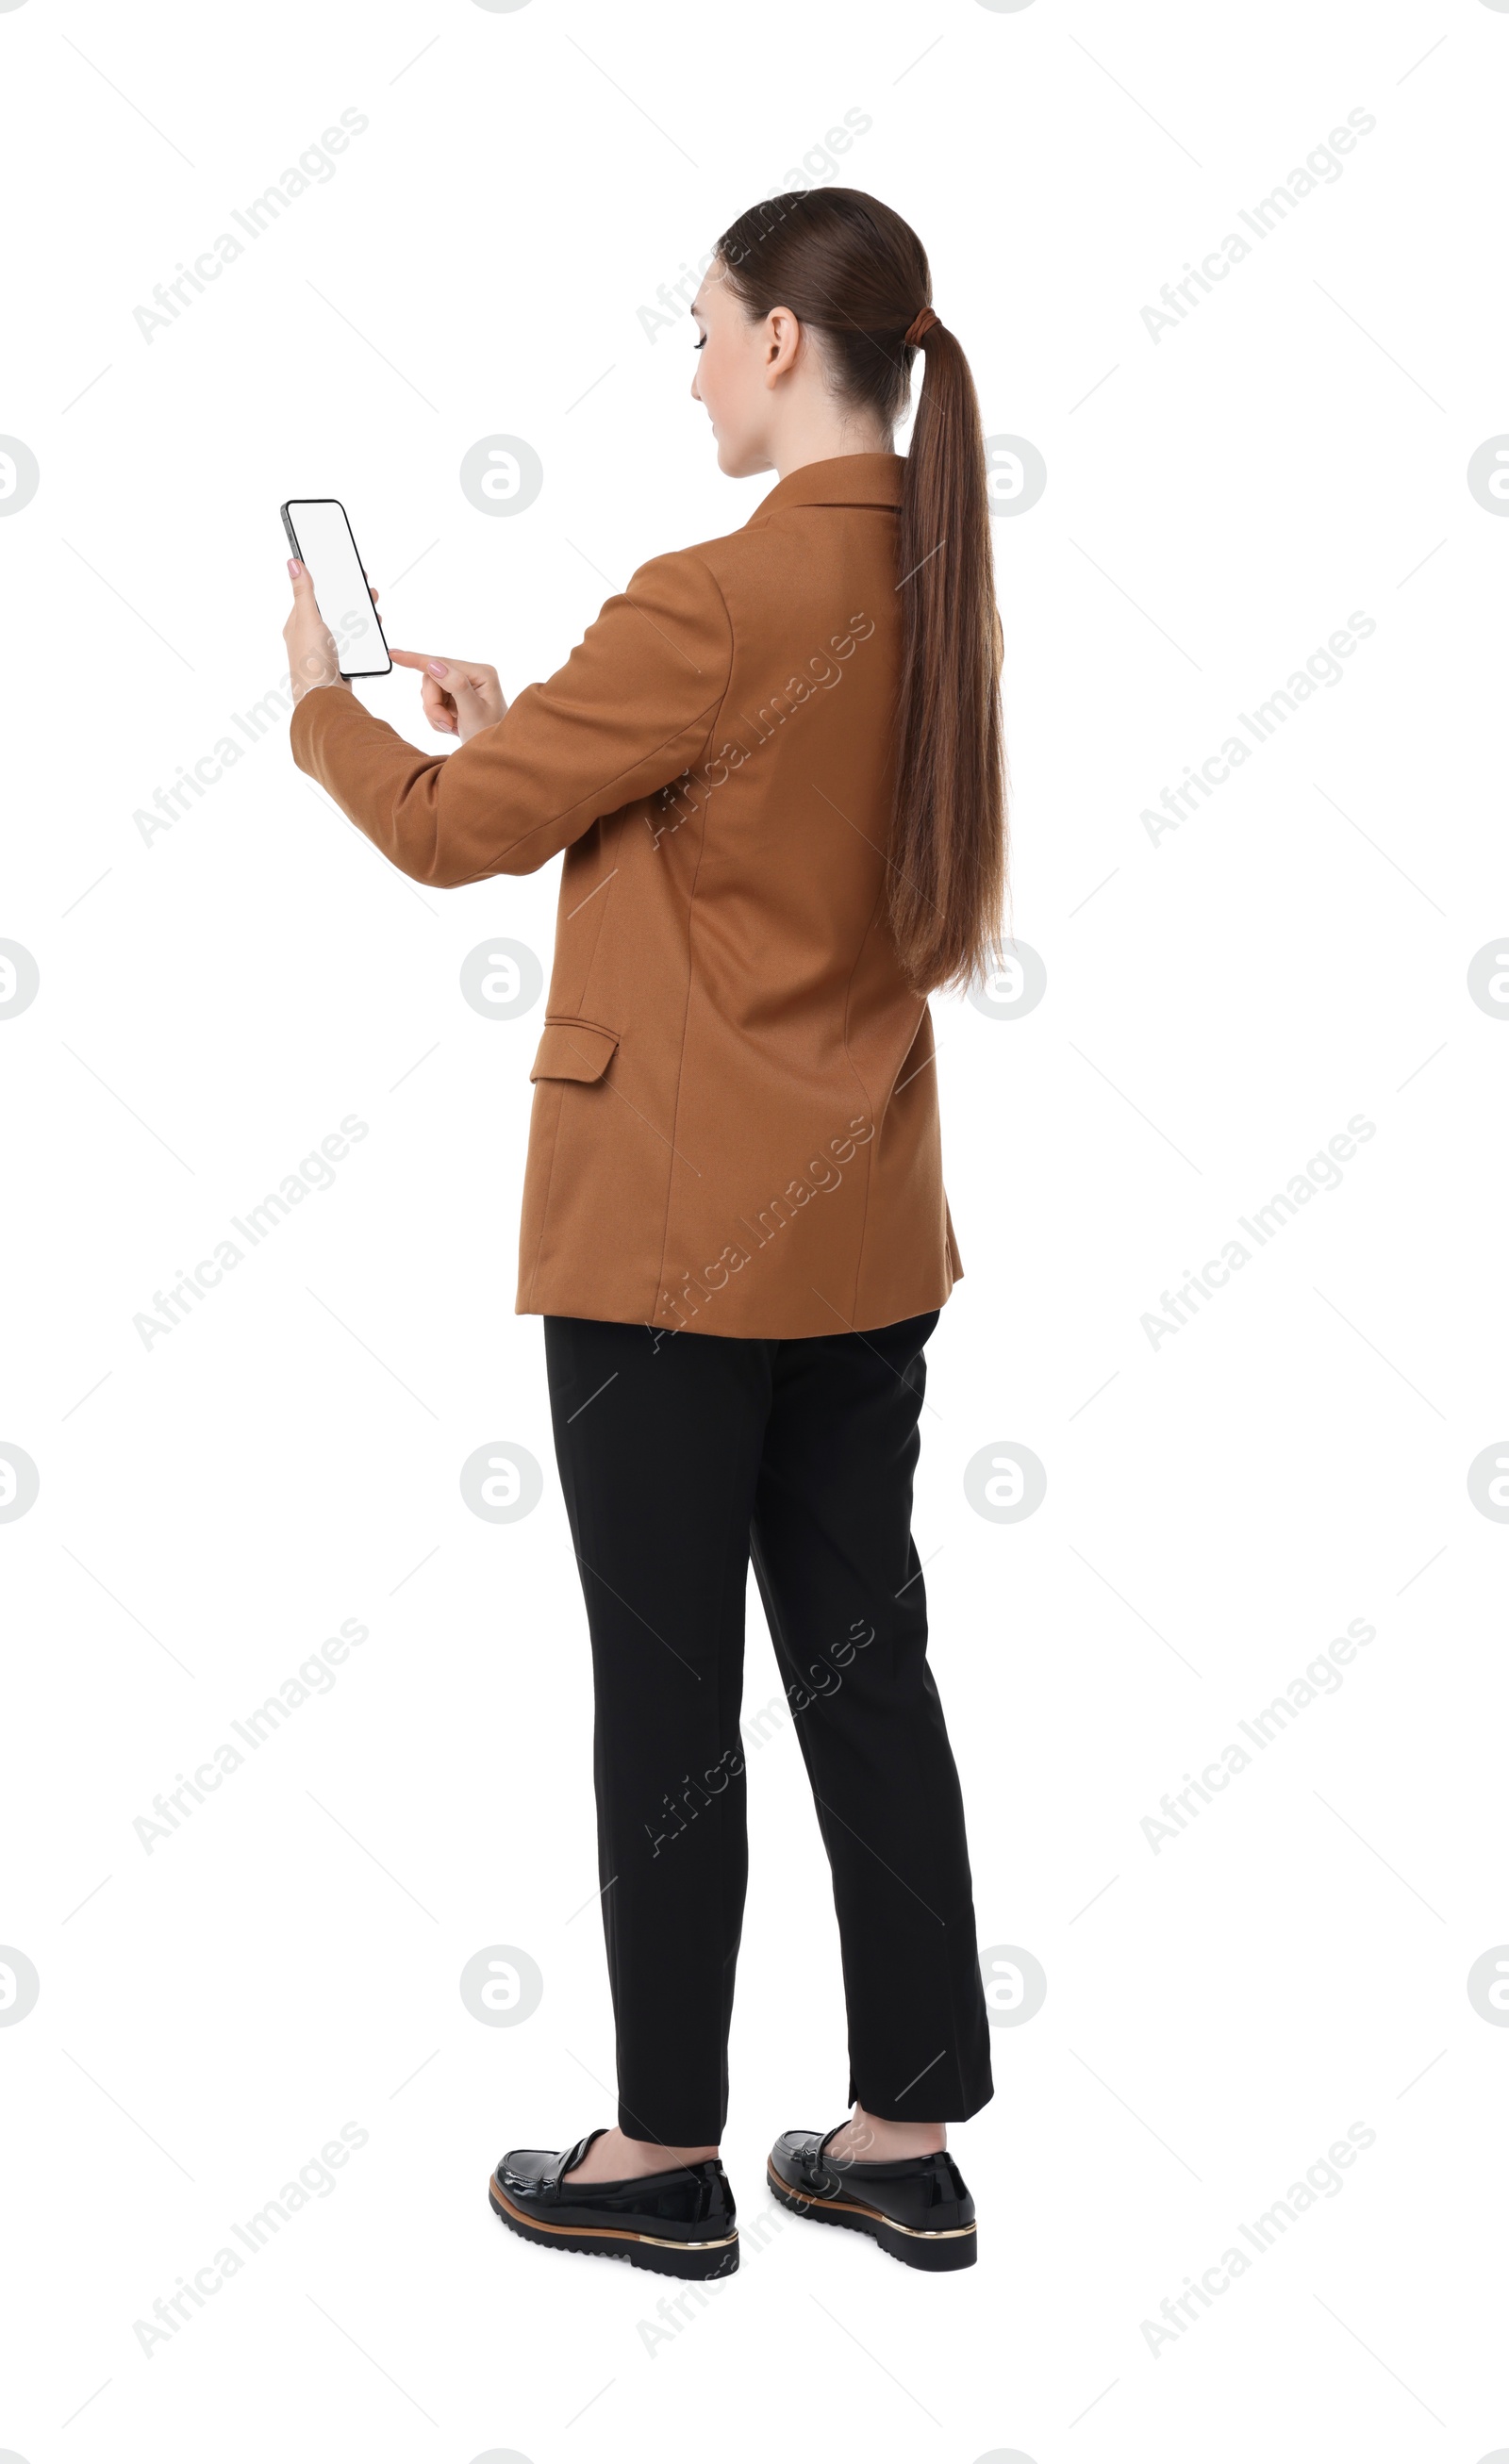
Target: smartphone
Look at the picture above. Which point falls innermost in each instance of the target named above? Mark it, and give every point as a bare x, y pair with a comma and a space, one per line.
319, 536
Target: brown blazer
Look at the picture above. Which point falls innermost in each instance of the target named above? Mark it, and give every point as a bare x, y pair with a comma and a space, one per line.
735, 1124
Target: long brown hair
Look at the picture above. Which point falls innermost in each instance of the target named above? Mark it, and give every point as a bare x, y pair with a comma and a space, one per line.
857, 274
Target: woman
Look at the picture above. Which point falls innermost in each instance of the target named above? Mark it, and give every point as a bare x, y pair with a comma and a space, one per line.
774, 767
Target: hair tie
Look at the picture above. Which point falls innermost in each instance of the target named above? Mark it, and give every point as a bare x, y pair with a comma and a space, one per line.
919, 326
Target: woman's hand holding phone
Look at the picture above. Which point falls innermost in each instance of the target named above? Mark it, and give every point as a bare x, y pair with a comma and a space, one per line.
460, 697
313, 659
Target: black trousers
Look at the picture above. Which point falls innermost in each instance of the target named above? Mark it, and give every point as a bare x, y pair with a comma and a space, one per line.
684, 1456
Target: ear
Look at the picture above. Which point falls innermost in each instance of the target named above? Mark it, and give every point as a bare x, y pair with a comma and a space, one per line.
784, 340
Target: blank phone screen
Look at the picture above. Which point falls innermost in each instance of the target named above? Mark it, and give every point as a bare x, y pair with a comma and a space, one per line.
324, 544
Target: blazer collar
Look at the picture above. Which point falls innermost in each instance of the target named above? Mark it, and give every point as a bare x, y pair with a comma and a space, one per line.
847, 479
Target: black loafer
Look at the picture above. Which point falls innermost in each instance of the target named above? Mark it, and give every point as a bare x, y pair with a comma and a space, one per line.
918, 2209
677, 2223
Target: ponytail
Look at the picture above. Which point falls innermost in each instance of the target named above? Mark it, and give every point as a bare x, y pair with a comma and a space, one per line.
852, 269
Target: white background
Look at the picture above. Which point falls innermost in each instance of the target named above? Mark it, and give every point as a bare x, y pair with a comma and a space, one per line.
1219, 1004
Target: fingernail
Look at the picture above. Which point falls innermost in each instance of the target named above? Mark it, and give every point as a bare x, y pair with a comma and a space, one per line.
438, 668
295, 567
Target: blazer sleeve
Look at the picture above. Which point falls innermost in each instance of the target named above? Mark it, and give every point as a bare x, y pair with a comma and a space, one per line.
626, 714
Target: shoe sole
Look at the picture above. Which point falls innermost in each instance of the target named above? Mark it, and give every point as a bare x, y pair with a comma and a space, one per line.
936, 2252
695, 2261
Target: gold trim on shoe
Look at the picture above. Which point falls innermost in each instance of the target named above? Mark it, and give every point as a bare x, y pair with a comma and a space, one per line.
857, 2208
603, 2233
658, 2243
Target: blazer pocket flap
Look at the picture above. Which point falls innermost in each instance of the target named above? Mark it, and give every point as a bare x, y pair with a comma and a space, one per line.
574, 1048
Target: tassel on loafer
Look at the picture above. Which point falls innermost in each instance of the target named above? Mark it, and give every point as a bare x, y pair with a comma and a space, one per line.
677, 2223
917, 2207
